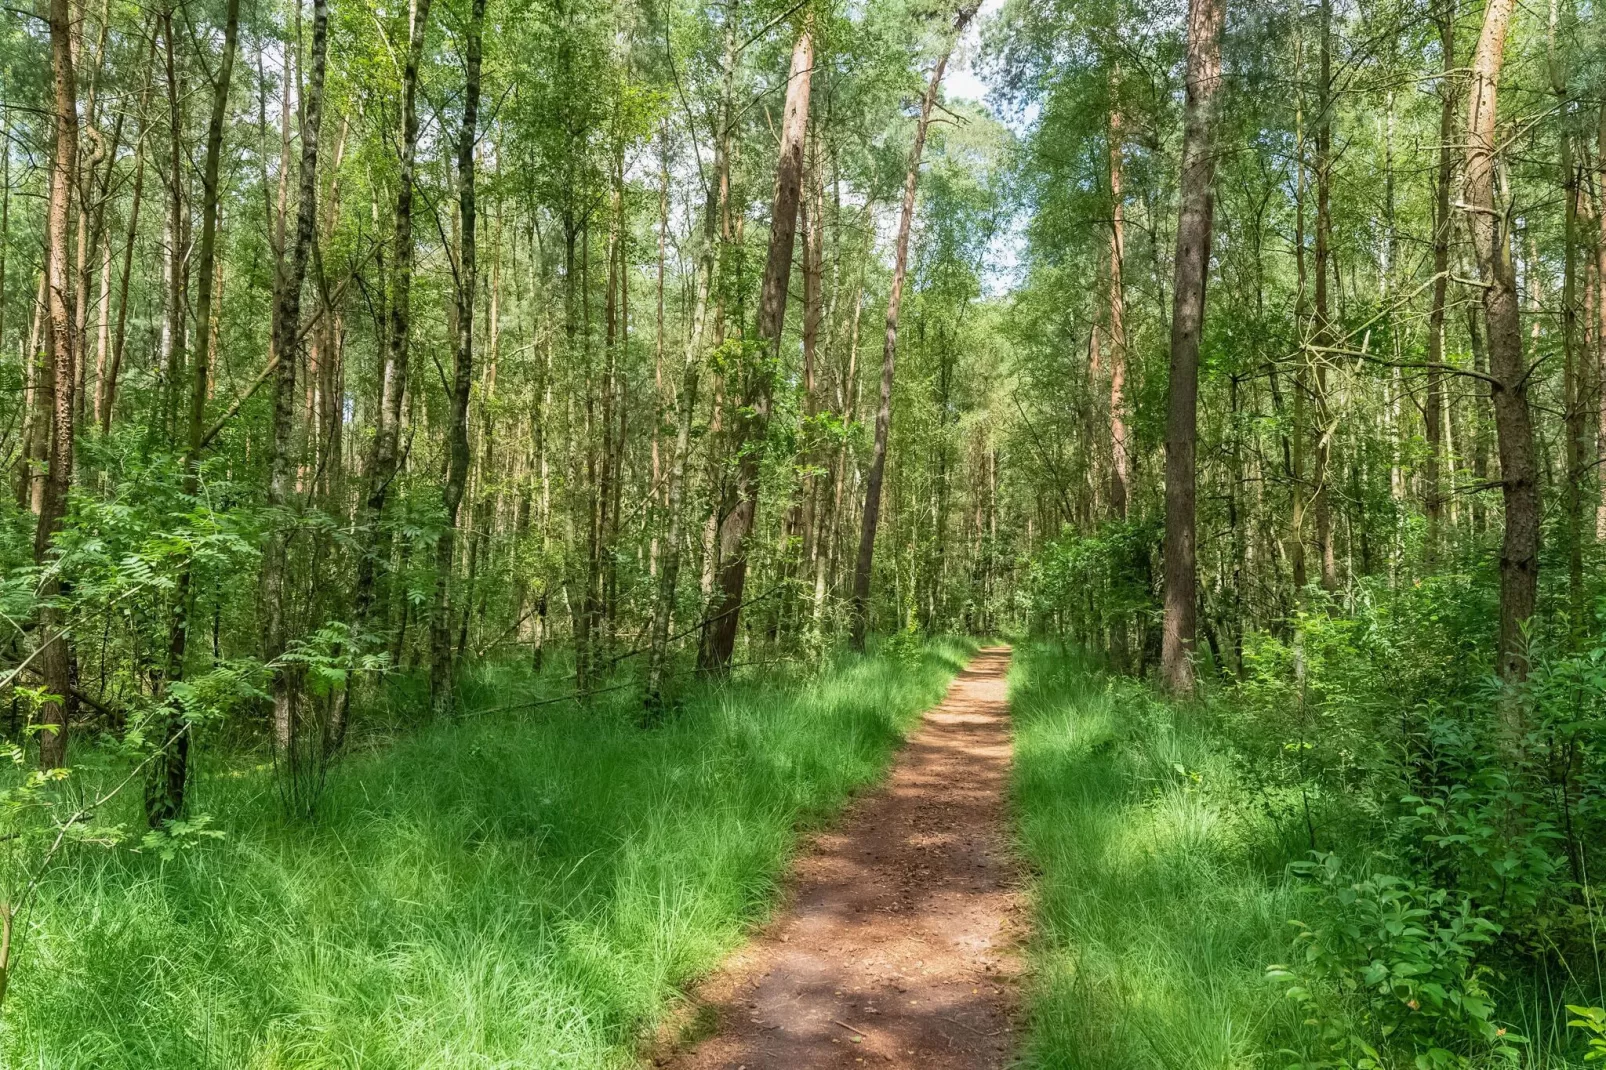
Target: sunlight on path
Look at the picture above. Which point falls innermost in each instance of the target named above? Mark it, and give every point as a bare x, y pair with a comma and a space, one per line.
897, 948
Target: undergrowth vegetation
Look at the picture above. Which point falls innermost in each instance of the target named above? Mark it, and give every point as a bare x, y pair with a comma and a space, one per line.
508, 888
1360, 855
1159, 900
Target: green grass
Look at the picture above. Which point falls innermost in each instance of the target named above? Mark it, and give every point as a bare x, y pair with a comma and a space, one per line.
1155, 915
515, 890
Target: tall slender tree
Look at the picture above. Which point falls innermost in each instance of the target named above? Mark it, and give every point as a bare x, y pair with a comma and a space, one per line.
56, 655
870, 519
286, 342
385, 458
752, 421
1194, 231
441, 669
1491, 240
1433, 403
169, 771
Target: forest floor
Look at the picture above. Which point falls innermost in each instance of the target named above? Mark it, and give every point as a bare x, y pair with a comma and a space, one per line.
897, 943
509, 887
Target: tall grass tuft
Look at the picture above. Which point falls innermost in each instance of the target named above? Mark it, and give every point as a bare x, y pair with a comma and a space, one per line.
1155, 915
519, 889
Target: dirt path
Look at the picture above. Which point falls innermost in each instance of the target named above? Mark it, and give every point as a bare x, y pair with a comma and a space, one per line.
896, 949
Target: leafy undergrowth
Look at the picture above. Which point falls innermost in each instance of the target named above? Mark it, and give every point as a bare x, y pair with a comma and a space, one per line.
512, 890
1184, 921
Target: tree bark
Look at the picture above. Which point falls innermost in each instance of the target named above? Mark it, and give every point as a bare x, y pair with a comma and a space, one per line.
1120, 466
1519, 554
752, 421
385, 459
441, 668
1194, 225
106, 389
812, 217
169, 769
1433, 498
5, 214
1600, 321
669, 556
871, 517
1294, 441
1321, 452
1572, 397
285, 340
55, 660
173, 353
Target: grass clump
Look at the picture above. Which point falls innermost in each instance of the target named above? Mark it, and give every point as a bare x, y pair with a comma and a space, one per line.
1156, 915
513, 890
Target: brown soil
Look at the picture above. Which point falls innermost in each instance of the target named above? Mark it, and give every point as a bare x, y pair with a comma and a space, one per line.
896, 948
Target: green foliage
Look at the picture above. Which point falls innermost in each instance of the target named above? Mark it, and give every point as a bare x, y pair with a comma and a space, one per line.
1178, 846
1155, 910
512, 889
1089, 585
1593, 1021
1392, 966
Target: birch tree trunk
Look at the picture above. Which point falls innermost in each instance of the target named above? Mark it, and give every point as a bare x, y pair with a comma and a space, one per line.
1120, 465
871, 517
385, 459
106, 389
286, 342
173, 354
1600, 320
1572, 400
169, 769
1322, 446
1433, 496
669, 555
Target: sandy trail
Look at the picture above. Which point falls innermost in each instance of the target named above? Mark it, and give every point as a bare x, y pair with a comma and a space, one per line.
896, 947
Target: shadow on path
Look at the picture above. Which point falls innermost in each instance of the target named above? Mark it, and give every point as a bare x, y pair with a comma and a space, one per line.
896, 945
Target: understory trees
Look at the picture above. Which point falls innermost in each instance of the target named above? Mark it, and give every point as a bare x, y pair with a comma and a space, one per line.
346, 345
1349, 514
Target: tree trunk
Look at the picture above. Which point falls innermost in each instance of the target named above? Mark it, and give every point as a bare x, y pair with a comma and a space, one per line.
285, 339
669, 559
37, 391
1194, 223
1600, 321
441, 668
106, 389
1572, 396
385, 460
169, 770
5, 214
812, 217
1433, 503
1321, 453
752, 421
173, 353
871, 517
1294, 441
55, 660
1519, 554
1120, 466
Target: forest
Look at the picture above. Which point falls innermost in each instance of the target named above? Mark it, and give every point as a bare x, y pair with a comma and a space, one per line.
529, 523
